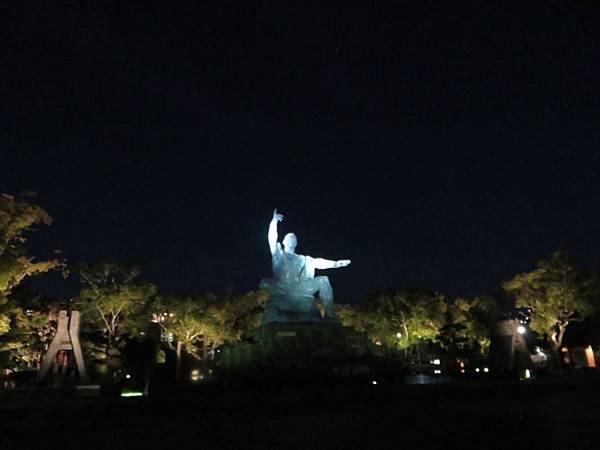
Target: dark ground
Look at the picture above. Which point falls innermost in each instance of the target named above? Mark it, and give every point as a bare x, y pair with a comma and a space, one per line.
546, 414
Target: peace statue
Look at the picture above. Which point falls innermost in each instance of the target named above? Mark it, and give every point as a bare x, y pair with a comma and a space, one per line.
295, 292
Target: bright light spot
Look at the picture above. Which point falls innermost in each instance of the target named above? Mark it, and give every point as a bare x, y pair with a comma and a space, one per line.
477, 370
378, 343
132, 394
589, 355
128, 376
527, 373
462, 364
195, 375
564, 349
521, 329
398, 335
373, 382
437, 371
462, 370
436, 362
486, 370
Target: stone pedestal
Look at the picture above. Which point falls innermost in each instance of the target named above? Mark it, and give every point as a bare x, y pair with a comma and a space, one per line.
294, 344
298, 302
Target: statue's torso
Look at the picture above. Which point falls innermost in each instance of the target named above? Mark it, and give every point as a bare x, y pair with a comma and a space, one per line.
287, 267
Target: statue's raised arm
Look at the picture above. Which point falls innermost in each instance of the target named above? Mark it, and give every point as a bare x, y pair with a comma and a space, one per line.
272, 236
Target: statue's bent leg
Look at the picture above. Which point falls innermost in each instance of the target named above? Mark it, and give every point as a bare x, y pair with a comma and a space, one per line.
326, 295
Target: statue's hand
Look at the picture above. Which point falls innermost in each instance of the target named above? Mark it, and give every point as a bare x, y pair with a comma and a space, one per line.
277, 217
342, 263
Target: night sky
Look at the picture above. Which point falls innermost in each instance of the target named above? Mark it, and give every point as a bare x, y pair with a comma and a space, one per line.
436, 146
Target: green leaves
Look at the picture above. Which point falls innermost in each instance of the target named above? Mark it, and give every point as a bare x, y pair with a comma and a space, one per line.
213, 320
398, 319
31, 329
468, 324
558, 292
16, 217
114, 299
184, 318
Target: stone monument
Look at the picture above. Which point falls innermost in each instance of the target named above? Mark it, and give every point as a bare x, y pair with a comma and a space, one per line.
66, 338
296, 295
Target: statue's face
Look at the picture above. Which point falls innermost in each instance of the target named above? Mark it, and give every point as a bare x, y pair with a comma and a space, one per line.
290, 242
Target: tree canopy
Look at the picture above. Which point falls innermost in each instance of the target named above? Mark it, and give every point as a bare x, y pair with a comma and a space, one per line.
112, 298
32, 328
399, 319
17, 216
198, 324
558, 291
467, 328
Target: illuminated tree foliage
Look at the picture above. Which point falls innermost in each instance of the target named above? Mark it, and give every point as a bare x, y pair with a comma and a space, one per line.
559, 293
467, 330
17, 216
352, 316
32, 330
399, 319
236, 315
184, 322
112, 302
200, 324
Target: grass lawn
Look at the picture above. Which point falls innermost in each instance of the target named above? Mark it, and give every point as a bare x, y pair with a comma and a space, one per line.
561, 414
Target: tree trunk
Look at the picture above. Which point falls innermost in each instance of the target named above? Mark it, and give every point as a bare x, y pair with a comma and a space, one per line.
556, 359
418, 357
555, 343
405, 335
178, 363
204, 359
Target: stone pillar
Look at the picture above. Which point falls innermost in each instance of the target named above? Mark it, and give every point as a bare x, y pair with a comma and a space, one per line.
508, 349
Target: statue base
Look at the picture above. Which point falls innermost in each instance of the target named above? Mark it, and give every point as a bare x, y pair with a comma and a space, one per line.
304, 347
295, 303
280, 312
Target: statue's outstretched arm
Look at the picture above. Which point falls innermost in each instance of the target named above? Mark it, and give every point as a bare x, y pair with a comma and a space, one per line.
322, 263
272, 236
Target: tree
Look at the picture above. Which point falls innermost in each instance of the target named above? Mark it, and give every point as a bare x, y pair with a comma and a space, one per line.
236, 315
17, 216
183, 322
112, 302
32, 330
558, 292
352, 316
467, 329
200, 324
399, 319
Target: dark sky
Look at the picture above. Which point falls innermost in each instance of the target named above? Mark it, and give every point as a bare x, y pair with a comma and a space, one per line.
436, 146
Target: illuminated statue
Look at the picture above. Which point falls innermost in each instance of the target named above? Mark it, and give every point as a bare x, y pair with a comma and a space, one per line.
295, 292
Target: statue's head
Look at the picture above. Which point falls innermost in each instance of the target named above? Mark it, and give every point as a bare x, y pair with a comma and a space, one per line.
289, 242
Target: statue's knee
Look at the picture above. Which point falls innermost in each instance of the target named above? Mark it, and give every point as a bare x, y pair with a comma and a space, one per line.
323, 279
